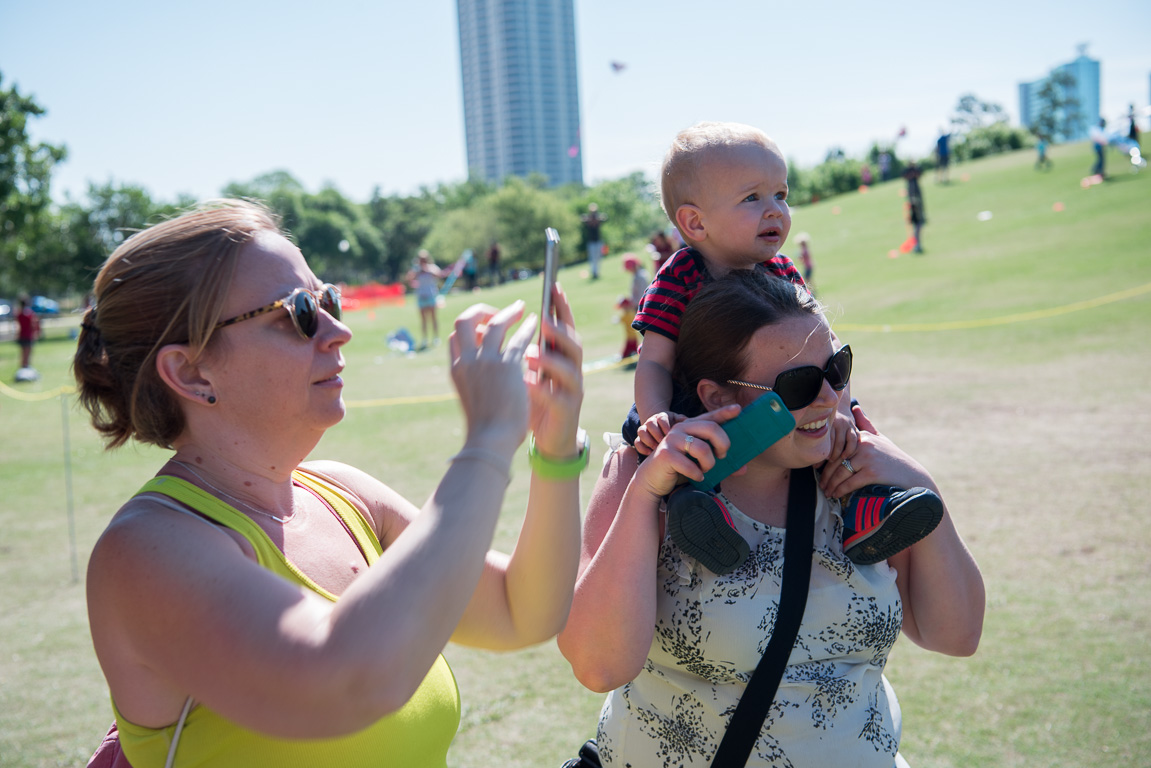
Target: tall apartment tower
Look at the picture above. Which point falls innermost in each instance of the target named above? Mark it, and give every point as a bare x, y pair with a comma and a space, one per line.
521, 92
1086, 92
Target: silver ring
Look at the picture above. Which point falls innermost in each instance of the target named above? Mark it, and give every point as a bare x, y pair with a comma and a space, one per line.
847, 465
687, 441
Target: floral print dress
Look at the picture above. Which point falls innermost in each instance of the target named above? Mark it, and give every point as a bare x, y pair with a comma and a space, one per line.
833, 707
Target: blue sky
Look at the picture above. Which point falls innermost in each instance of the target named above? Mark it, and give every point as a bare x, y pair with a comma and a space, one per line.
186, 97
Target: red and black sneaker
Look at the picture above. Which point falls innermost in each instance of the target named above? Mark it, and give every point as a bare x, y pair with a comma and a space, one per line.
880, 520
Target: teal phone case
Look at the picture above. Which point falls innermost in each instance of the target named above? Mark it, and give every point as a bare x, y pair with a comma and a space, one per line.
757, 427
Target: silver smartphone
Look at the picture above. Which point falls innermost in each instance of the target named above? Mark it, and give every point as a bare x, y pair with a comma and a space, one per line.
550, 265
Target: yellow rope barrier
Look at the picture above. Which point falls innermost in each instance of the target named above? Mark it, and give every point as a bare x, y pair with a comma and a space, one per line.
34, 397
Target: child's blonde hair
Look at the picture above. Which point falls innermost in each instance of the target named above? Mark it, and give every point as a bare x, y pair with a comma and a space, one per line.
680, 173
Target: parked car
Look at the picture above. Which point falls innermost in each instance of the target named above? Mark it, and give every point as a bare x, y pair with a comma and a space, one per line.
42, 305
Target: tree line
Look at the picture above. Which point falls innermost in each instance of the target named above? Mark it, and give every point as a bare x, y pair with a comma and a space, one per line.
56, 249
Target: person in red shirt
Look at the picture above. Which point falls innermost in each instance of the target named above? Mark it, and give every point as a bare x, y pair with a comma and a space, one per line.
29, 326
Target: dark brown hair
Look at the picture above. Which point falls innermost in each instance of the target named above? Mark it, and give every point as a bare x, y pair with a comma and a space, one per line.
164, 285
720, 320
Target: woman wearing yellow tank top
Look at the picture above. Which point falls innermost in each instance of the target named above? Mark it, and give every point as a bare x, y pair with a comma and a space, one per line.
274, 613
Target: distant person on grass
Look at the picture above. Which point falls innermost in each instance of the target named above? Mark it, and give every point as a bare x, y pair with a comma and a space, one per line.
806, 260
916, 211
592, 224
425, 278
493, 254
470, 269
1098, 135
270, 612
28, 331
1042, 161
724, 186
943, 157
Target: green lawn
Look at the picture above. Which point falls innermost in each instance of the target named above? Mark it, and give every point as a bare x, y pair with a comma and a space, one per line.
1011, 358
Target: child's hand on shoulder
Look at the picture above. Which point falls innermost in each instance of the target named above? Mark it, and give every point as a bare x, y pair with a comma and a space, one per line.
652, 432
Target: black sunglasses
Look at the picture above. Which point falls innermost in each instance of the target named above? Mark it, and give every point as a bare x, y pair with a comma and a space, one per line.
799, 387
303, 305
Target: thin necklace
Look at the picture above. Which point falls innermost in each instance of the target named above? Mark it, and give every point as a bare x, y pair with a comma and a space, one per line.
241, 502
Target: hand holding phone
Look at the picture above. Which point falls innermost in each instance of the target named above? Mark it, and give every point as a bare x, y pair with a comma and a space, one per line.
753, 431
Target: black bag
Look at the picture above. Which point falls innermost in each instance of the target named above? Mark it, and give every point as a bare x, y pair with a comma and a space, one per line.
588, 757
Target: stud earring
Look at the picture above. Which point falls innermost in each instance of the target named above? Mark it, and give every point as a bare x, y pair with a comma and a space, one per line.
211, 399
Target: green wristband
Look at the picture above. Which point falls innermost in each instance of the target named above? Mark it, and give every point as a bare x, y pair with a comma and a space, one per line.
550, 469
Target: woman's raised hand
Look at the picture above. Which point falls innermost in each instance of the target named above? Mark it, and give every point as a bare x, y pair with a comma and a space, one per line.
488, 374
555, 382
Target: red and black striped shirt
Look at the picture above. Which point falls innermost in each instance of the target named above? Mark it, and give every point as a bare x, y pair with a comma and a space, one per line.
679, 279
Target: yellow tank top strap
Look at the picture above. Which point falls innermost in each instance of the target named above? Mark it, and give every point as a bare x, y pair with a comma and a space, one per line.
338, 500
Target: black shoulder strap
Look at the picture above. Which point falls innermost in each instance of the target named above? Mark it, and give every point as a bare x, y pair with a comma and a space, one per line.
747, 720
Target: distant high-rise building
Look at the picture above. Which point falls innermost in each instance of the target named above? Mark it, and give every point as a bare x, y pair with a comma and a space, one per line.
1085, 91
521, 92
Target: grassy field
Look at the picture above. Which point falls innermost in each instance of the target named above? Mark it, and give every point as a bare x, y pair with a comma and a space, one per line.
1011, 358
